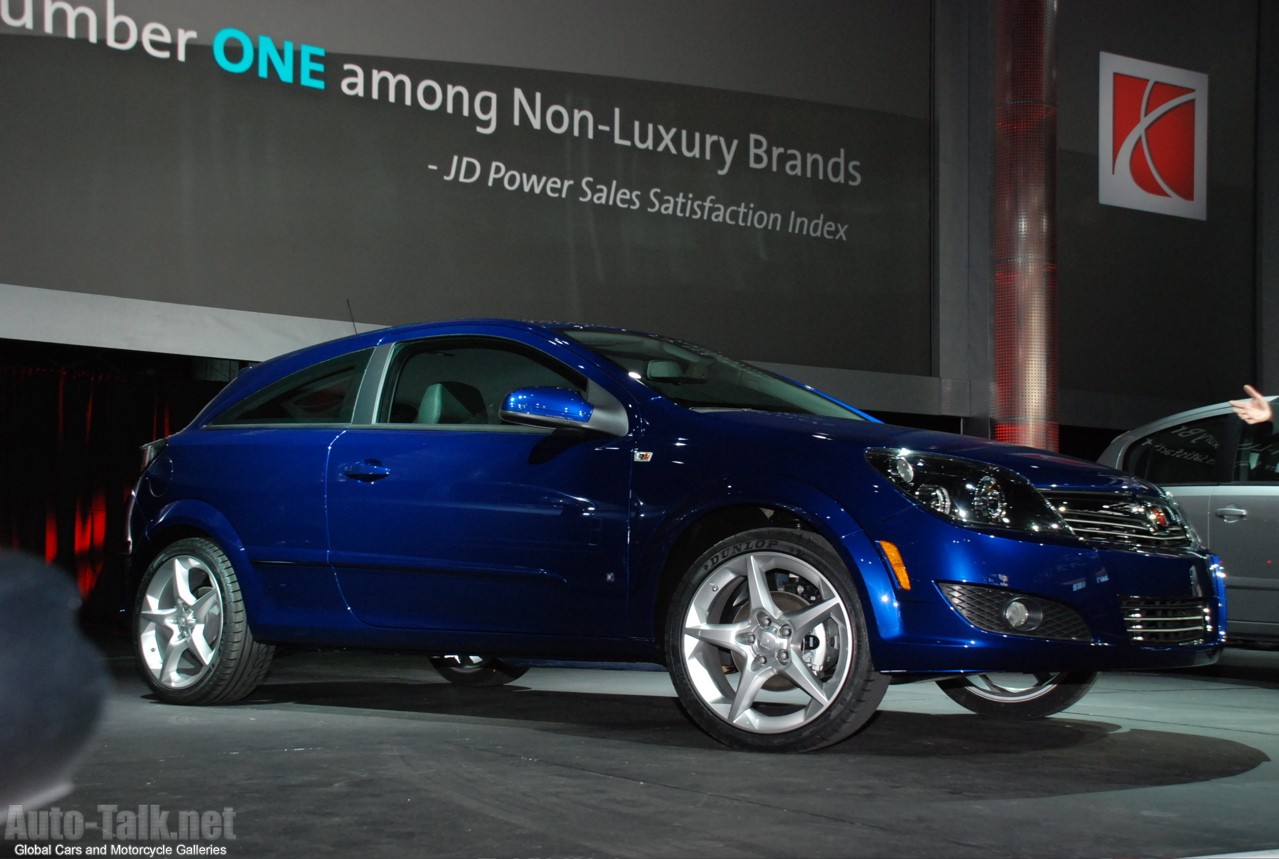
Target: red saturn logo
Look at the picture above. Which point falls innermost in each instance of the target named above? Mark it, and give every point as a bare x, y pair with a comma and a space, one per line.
1153, 141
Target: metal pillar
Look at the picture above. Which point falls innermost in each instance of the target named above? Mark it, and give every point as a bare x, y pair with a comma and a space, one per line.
1025, 246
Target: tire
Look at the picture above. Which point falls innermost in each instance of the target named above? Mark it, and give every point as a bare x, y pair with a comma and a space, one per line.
192, 635
467, 670
767, 645
1018, 696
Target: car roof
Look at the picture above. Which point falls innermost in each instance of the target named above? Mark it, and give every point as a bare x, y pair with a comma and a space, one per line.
414, 330
262, 374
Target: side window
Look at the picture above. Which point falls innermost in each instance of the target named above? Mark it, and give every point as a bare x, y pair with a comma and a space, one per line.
464, 381
1258, 457
1185, 453
320, 394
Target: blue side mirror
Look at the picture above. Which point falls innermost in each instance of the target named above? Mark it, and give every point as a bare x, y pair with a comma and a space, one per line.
547, 407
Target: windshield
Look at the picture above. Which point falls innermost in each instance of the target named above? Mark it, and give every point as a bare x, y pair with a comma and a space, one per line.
701, 379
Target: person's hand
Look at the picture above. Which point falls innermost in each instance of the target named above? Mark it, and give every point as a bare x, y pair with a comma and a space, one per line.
1255, 409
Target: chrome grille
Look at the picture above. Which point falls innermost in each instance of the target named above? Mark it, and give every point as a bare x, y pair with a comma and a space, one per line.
1122, 520
1167, 622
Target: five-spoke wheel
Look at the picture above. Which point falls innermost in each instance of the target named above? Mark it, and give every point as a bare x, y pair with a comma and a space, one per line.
767, 644
193, 639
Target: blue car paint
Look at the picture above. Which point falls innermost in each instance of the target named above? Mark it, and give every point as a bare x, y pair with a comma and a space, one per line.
599, 597
515, 530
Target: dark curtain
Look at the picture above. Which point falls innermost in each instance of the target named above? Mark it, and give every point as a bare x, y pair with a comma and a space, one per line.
72, 422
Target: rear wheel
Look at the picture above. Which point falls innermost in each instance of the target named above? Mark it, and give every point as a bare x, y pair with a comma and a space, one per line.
767, 644
1018, 696
193, 640
466, 670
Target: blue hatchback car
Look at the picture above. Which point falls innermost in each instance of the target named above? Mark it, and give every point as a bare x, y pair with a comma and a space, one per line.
489, 491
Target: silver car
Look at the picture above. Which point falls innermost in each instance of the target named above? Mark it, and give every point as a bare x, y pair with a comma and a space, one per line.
1225, 475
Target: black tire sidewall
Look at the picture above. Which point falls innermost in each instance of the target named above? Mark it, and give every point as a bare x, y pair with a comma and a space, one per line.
491, 672
1066, 691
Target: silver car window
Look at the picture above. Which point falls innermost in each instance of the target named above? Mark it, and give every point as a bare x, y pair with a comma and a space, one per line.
1189, 452
1258, 458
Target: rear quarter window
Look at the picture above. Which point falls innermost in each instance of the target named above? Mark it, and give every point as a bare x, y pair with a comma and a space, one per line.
323, 393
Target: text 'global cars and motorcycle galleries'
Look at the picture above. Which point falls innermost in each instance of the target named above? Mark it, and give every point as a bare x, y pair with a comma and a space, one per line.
490, 492
144, 830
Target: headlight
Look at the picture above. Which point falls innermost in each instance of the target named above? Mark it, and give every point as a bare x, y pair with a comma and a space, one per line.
1180, 517
968, 492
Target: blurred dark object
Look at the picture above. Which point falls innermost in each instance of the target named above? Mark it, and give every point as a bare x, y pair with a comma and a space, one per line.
52, 682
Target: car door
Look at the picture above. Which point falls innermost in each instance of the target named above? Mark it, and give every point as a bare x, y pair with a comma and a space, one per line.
1244, 530
262, 462
443, 517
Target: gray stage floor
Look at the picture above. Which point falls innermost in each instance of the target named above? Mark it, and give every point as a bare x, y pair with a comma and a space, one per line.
350, 754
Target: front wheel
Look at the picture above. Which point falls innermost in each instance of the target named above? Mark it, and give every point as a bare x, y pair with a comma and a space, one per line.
193, 640
1018, 696
767, 644
466, 670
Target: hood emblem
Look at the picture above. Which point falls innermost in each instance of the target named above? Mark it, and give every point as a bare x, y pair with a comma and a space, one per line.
1156, 517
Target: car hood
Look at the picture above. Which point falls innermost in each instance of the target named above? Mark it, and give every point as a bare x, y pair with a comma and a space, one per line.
1044, 469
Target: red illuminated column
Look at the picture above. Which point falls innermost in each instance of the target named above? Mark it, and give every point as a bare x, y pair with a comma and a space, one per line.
1025, 246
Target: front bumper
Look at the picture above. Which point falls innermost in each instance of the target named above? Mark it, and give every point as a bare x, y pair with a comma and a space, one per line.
1091, 609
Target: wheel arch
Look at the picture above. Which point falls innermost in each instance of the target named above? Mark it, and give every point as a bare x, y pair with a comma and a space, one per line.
786, 506
190, 518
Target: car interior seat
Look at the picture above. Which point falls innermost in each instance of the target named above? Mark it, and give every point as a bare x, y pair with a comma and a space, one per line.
452, 403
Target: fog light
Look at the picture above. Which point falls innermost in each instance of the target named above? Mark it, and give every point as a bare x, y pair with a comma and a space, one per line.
1023, 614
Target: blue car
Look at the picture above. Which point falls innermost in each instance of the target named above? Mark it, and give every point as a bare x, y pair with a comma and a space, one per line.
492, 493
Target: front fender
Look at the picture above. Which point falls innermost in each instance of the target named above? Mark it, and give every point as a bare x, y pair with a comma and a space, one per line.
822, 513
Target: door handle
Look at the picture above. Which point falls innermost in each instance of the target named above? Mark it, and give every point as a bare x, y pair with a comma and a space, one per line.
367, 471
1231, 513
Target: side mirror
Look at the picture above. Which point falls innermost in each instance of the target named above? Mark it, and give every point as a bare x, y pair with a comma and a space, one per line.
546, 407
561, 408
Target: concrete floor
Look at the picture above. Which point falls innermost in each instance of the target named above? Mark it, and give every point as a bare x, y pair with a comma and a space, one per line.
362, 755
